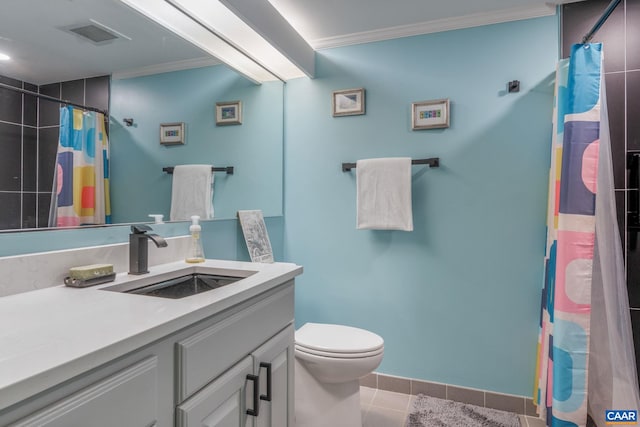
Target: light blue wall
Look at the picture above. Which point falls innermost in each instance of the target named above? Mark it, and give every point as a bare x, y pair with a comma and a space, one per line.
457, 299
138, 185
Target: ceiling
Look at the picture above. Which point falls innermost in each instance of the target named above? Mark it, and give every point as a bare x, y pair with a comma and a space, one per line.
33, 32
331, 23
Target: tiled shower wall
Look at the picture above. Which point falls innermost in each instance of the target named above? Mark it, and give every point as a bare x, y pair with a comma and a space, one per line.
19, 155
28, 142
620, 36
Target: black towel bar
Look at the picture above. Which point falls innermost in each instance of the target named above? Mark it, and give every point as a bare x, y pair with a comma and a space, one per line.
227, 169
433, 162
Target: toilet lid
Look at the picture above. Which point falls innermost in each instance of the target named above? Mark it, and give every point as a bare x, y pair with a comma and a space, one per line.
337, 339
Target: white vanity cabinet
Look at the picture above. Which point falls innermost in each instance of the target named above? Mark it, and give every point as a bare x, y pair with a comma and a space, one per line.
201, 374
257, 391
240, 383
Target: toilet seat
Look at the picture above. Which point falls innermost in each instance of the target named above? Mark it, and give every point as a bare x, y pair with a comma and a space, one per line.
337, 341
335, 355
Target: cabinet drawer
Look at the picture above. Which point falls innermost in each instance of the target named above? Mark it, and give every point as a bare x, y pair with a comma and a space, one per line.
208, 353
127, 398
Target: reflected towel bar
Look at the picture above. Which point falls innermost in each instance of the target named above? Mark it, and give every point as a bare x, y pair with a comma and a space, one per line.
433, 162
227, 169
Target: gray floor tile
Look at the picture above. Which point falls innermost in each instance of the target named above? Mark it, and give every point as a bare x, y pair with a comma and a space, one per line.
391, 400
535, 422
366, 395
384, 417
411, 400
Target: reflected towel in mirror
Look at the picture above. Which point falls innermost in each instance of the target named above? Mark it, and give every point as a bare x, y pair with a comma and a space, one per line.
192, 192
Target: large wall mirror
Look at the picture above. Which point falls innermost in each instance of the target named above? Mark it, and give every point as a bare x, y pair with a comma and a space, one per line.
146, 74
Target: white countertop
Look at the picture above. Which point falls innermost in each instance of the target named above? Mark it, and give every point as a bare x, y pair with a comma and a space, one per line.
88, 327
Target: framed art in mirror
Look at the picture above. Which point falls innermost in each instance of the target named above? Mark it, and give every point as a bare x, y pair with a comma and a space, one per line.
228, 113
348, 102
172, 133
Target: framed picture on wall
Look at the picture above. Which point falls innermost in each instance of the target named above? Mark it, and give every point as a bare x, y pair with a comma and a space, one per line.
171, 133
430, 114
348, 102
228, 113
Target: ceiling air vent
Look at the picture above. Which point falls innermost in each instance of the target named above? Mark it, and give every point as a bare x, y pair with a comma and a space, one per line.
96, 32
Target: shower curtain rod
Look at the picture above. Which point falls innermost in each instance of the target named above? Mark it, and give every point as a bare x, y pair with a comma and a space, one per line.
587, 37
52, 99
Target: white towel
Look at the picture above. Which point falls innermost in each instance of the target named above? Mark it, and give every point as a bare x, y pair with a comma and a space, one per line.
192, 192
384, 194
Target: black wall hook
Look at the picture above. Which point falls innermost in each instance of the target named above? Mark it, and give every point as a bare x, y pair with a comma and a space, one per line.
128, 122
513, 86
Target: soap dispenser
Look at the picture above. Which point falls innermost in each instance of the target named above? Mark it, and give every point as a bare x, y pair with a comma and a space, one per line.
195, 252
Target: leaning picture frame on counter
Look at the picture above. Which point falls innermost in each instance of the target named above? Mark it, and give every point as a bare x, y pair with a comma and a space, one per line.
256, 236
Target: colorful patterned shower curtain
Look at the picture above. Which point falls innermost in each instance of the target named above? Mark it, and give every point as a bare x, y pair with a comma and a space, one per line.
81, 181
585, 362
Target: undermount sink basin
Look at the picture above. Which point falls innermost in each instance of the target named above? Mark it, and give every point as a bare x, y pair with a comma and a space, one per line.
182, 286
185, 286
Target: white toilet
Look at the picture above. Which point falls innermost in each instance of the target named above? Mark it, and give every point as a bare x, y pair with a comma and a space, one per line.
330, 360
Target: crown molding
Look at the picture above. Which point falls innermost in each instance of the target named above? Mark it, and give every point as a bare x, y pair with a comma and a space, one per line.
166, 67
435, 26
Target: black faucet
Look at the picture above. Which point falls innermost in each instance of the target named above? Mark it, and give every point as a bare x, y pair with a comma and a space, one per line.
138, 249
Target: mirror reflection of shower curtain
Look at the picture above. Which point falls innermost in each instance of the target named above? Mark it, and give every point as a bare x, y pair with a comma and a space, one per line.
80, 194
586, 361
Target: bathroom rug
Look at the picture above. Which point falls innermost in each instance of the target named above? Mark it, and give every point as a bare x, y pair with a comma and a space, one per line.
433, 412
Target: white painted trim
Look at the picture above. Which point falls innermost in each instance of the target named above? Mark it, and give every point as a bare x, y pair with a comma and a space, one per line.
438, 25
166, 67
267, 21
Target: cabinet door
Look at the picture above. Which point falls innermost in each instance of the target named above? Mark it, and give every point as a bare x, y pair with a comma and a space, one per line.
128, 398
222, 403
275, 358
205, 355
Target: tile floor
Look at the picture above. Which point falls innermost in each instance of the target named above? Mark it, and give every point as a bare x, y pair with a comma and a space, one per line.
381, 408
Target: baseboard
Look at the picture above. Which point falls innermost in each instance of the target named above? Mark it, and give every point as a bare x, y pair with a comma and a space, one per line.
484, 398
